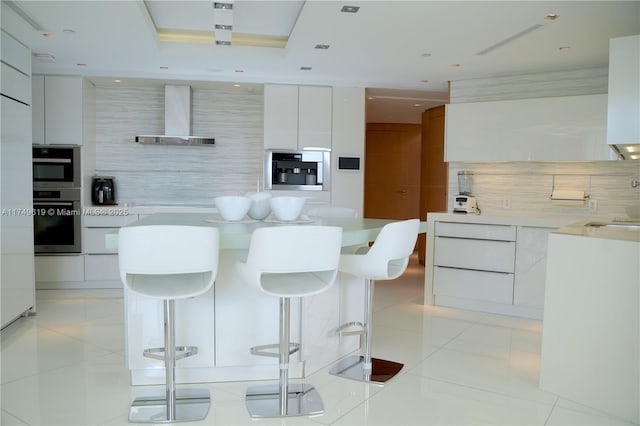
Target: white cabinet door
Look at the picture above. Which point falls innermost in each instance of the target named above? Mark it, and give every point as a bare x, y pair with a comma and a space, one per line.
314, 117
297, 117
531, 266
623, 121
281, 117
63, 110
37, 109
543, 129
61, 268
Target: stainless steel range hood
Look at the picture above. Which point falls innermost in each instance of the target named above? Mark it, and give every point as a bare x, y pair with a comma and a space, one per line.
177, 120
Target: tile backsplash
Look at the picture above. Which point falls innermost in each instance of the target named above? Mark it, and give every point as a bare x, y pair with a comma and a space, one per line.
180, 174
525, 187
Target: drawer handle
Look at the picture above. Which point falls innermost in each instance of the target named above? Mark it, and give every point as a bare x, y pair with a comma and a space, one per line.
476, 270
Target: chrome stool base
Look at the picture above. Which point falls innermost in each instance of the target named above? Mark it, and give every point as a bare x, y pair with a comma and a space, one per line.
264, 401
353, 368
191, 405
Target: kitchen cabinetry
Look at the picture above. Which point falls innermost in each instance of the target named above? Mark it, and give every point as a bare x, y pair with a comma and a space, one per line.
101, 262
531, 266
17, 289
58, 109
474, 261
488, 263
543, 129
624, 106
297, 117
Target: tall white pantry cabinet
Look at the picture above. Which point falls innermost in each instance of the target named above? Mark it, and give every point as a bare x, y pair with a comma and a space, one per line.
17, 286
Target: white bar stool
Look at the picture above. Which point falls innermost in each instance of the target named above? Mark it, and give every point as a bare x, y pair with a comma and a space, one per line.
169, 262
277, 266
387, 259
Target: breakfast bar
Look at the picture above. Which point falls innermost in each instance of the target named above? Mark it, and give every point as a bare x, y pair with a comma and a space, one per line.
233, 316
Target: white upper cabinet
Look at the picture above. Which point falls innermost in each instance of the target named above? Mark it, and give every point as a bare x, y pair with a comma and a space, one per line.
542, 129
297, 117
57, 110
624, 91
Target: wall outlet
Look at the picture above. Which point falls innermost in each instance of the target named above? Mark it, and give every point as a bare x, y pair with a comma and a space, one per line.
506, 203
593, 205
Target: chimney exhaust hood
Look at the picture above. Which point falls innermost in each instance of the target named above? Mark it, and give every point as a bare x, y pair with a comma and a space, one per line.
177, 120
623, 113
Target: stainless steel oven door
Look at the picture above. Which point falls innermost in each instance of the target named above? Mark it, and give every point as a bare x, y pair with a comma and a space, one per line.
56, 166
56, 226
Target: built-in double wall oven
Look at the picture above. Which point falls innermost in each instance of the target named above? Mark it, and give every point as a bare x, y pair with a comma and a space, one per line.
56, 199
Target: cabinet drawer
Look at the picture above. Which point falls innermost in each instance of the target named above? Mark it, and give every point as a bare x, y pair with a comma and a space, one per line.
94, 240
101, 267
486, 255
473, 230
59, 268
478, 285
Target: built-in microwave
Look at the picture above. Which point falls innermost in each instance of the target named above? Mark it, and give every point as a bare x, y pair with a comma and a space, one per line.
56, 166
305, 170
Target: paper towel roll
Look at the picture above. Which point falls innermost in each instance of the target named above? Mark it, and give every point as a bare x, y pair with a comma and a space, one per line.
570, 198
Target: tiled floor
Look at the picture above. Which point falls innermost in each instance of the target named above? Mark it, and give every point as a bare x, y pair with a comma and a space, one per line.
65, 366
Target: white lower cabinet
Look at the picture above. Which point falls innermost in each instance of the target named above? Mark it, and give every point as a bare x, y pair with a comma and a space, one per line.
488, 267
51, 269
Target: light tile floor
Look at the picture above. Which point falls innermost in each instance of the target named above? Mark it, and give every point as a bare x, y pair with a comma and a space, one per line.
65, 366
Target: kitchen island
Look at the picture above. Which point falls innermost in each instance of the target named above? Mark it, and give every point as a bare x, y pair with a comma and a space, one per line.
234, 316
591, 329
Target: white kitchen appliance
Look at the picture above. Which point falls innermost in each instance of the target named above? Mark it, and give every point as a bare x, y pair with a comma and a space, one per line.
465, 202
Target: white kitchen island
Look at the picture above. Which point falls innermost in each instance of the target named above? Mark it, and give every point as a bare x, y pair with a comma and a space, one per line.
234, 316
591, 334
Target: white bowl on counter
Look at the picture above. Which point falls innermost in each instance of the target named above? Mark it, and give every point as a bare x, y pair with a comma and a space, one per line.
287, 208
260, 206
233, 207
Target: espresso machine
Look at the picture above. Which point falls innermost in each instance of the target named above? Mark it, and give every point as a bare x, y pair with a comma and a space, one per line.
465, 202
103, 191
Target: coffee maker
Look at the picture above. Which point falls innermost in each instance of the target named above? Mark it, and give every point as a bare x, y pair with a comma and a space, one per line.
465, 202
103, 191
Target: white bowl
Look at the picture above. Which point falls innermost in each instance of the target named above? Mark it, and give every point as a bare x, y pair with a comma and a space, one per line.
260, 207
287, 208
233, 207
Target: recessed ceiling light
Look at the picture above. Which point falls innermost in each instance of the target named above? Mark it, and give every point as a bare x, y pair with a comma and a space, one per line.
223, 42
305, 68
68, 31
551, 16
350, 9
44, 57
220, 5
239, 71
82, 65
424, 81
164, 68
456, 65
564, 48
48, 35
426, 55
322, 46
417, 105
117, 81
236, 85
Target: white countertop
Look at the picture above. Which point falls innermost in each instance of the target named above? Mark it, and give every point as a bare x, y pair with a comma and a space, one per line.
517, 220
566, 224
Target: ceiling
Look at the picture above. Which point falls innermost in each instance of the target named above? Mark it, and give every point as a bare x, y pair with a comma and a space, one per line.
403, 52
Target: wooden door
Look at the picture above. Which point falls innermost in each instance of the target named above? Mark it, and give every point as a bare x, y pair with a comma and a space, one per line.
434, 171
392, 171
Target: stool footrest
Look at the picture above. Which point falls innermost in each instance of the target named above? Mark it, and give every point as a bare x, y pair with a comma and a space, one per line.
181, 352
267, 350
340, 330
